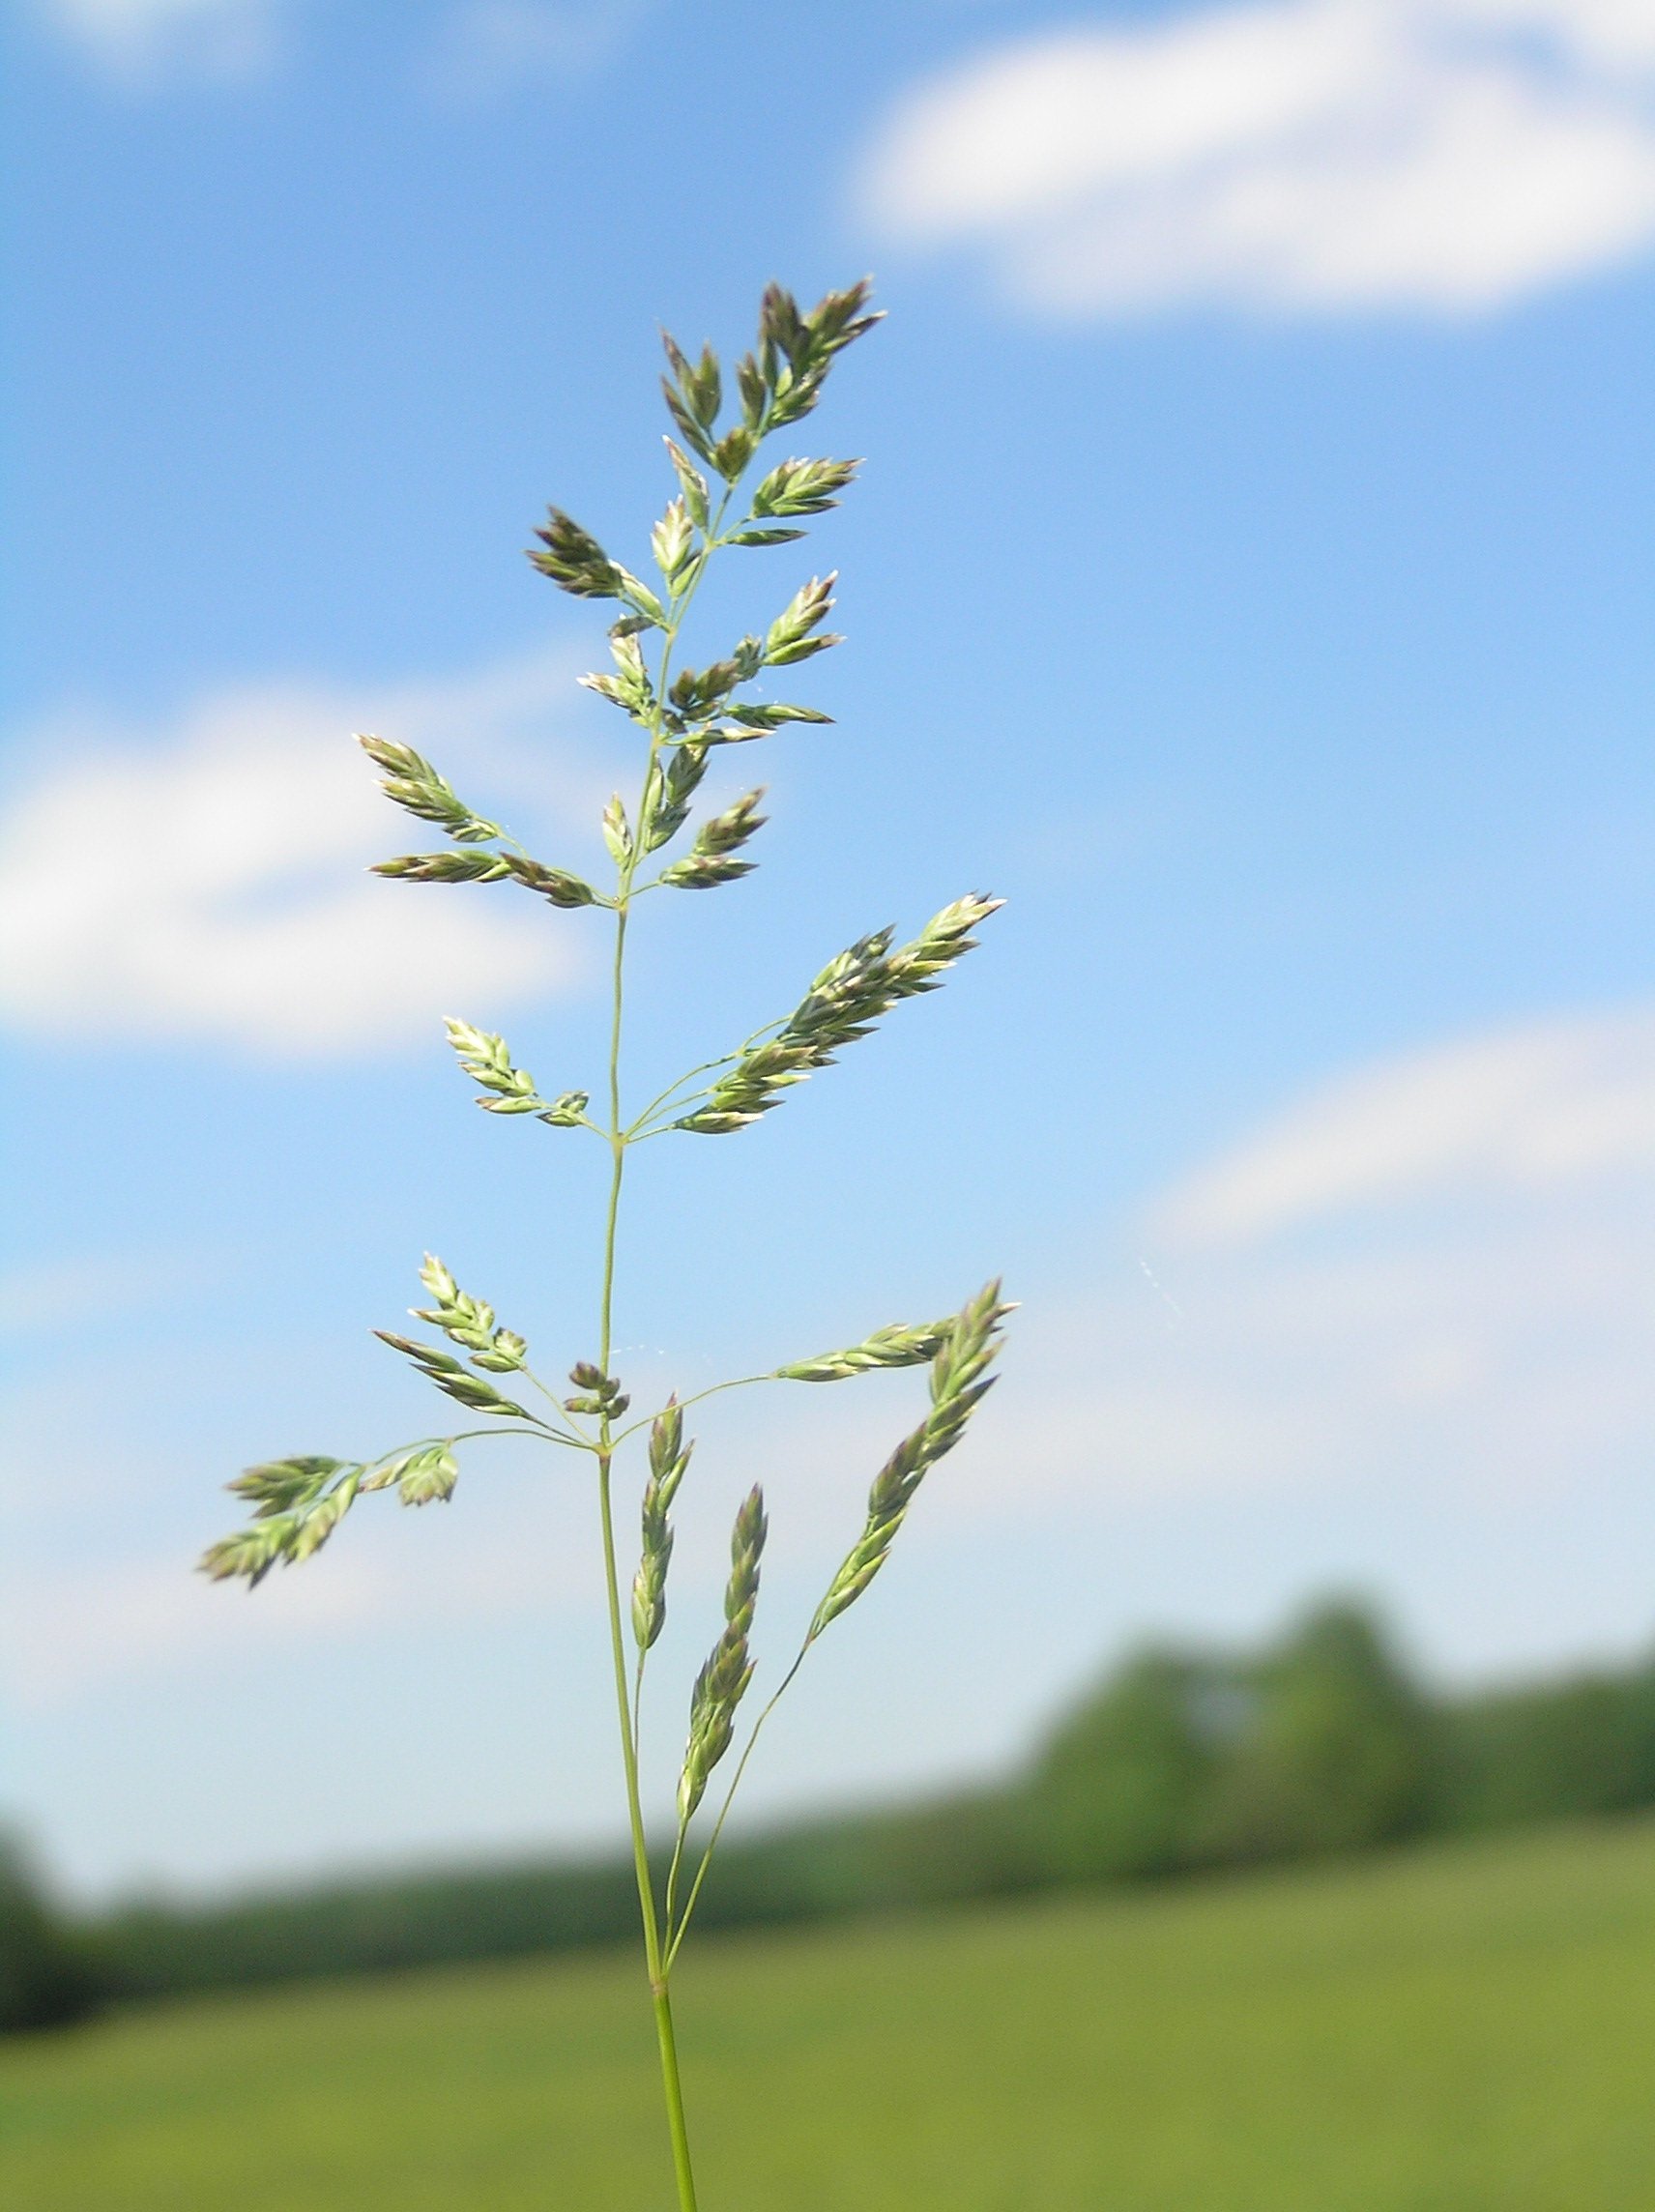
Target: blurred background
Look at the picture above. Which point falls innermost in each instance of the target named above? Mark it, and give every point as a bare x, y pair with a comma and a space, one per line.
1249, 581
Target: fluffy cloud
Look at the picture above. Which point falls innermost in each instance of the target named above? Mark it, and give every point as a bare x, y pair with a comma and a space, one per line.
1526, 1112
140, 41
478, 49
488, 48
207, 879
1440, 1271
1318, 155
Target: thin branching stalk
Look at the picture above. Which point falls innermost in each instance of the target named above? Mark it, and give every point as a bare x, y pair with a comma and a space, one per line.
686, 716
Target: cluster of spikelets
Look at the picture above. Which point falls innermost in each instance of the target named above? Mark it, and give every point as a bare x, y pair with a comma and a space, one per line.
959, 1382
487, 1060
850, 995
686, 714
960, 1350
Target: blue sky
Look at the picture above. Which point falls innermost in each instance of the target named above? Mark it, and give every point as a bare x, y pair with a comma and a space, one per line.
1249, 581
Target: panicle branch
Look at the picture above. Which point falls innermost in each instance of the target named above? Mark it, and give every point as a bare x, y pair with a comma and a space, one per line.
895, 1346
469, 1323
848, 997
959, 1384
298, 1502
487, 1060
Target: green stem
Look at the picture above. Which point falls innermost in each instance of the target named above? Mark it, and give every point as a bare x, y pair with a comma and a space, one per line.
618, 1149
673, 1872
639, 1130
739, 1382
670, 2081
674, 2098
628, 1706
654, 1959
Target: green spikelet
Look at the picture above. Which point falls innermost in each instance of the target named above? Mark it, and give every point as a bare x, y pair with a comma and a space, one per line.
722, 1682
846, 999
669, 1456
959, 1384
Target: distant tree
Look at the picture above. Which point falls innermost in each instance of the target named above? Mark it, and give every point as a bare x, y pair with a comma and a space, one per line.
1560, 1751
44, 1979
1120, 1788
1339, 1750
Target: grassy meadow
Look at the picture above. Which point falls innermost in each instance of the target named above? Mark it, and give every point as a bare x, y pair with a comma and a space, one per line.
1468, 2028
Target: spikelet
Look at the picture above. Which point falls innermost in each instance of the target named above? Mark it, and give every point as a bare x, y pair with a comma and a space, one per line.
710, 860
467, 1321
487, 1058
451, 1378
722, 1681
669, 1456
803, 487
413, 783
596, 1393
897, 1346
848, 997
959, 1384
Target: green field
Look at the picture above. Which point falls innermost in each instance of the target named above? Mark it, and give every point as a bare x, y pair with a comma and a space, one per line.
1468, 2029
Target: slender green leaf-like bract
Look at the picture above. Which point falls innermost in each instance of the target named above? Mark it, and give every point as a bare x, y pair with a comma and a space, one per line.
680, 713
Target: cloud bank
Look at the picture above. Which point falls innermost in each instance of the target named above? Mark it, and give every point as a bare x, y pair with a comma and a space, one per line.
1555, 1107
1446, 157
488, 49
142, 42
207, 879
478, 50
1432, 1278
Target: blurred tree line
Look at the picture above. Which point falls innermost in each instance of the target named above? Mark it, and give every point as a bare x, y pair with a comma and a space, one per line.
48, 1975
1179, 1763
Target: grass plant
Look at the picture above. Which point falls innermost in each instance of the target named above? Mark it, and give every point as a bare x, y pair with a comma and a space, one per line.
681, 716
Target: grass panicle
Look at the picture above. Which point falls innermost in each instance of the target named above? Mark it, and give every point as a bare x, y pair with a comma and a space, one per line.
680, 711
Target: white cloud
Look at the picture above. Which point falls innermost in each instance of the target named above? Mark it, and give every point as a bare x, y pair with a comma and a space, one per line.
1546, 1107
1438, 1275
207, 879
1321, 156
1425, 1291
1473, 1363
63, 1294
489, 48
138, 42
65, 1629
